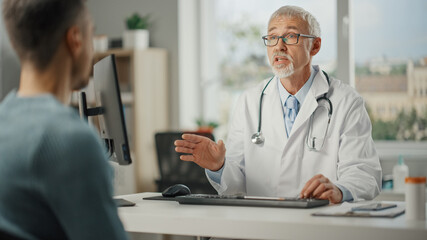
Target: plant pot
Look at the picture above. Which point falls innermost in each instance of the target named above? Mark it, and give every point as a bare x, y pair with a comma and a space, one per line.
136, 39
205, 129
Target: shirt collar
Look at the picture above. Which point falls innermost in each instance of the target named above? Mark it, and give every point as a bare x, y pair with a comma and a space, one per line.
302, 93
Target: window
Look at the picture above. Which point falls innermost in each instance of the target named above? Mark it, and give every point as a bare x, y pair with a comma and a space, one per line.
390, 69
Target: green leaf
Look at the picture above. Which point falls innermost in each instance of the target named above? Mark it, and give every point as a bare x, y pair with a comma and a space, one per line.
137, 21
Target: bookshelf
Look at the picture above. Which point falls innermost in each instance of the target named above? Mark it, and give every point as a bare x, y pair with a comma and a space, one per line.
143, 80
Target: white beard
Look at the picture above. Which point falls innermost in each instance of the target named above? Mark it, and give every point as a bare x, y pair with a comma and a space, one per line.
281, 72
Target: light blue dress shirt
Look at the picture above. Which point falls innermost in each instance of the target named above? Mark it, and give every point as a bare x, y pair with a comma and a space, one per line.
284, 94
300, 95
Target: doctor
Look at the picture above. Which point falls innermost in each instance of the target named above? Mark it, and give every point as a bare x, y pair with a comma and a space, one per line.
300, 133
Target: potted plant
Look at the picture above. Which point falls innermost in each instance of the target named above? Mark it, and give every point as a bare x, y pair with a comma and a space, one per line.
136, 36
206, 127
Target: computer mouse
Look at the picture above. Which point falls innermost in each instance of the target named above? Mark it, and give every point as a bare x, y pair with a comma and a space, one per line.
176, 190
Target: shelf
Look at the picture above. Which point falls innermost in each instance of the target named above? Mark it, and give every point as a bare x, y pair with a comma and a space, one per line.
118, 52
127, 98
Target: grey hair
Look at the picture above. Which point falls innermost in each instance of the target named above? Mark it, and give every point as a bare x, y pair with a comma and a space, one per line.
294, 11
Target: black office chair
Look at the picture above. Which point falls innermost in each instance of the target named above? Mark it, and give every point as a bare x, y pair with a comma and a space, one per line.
7, 236
174, 171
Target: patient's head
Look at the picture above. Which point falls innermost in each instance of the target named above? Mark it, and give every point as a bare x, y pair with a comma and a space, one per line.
42, 30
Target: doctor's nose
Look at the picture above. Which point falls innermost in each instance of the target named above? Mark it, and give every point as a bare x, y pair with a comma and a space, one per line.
281, 46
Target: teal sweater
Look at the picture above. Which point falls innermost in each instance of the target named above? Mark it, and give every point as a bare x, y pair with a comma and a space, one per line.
55, 181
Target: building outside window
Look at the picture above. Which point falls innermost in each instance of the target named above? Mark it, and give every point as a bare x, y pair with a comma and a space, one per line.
391, 71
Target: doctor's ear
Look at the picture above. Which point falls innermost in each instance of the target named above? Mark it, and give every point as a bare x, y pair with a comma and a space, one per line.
315, 46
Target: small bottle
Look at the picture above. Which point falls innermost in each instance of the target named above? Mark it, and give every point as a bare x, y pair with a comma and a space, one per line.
415, 198
400, 172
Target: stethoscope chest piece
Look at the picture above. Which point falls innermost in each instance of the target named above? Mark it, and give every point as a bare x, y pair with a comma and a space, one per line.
258, 138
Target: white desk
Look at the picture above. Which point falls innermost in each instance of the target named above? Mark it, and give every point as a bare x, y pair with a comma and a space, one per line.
168, 217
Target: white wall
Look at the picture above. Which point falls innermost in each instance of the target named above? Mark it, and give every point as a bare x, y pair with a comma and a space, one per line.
109, 17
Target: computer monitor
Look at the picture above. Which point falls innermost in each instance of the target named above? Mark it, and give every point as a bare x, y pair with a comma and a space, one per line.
109, 110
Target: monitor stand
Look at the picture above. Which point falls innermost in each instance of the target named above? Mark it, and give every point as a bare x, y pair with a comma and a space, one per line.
86, 112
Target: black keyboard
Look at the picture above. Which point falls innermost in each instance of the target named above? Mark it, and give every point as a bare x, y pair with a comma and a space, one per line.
237, 200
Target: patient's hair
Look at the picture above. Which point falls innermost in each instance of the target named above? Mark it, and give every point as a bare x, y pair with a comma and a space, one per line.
37, 27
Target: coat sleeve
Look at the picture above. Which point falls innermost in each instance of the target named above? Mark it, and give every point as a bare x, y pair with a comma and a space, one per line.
233, 176
359, 168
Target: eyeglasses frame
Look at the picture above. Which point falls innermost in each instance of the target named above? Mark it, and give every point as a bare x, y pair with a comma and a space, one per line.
283, 37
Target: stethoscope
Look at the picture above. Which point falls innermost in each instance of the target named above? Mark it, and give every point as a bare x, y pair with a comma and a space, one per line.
258, 137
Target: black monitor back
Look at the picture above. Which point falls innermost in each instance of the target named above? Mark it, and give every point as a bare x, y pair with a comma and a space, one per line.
111, 121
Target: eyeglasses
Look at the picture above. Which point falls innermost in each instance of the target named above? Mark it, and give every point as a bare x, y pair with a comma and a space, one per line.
288, 39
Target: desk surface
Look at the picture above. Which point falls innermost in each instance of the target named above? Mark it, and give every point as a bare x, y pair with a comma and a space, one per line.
169, 217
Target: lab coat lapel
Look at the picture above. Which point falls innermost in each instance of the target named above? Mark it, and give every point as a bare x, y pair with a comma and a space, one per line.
319, 87
273, 123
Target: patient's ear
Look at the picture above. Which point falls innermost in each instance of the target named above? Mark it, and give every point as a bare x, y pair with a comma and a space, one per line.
74, 41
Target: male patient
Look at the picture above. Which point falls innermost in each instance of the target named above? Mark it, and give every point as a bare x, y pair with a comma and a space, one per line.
55, 181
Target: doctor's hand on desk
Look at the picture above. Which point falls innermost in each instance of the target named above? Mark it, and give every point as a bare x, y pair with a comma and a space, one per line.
201, 150
319, 186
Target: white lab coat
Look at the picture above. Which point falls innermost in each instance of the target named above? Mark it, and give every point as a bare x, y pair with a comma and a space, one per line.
281, 166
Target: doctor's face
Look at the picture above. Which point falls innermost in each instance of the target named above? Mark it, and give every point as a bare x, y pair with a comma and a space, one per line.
286, 60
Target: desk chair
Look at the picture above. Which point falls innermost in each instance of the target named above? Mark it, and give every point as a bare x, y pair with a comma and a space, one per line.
7, 236
174, 171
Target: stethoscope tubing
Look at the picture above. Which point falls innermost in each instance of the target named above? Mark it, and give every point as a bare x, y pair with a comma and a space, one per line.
257, 137
260, 105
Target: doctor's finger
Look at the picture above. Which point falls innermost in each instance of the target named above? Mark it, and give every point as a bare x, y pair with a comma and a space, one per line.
187, 158
323, 187
327, 195
183, 143
184, 150
332, 195
221, 146
309, 182
308, 190
194, 138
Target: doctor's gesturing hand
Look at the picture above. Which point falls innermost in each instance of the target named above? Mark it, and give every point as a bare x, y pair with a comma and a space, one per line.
320, 187
202, 151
